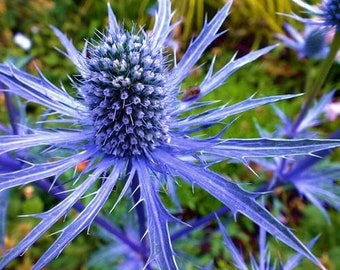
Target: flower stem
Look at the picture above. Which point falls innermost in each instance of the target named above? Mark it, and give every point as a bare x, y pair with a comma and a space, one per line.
313, 87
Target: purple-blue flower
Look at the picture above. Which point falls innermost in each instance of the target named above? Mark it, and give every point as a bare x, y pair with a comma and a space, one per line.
326, 14
129, 123
315, 182
312, 43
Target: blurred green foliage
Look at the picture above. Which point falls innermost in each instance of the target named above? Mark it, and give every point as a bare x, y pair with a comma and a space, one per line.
192, 14
256, 22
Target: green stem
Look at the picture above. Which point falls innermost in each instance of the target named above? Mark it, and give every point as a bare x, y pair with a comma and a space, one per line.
313, 88
324, 69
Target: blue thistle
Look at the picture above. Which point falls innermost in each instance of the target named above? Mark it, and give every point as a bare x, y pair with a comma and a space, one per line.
315, 182
326, 14
124, 87
128, 124
331, 10
311, 43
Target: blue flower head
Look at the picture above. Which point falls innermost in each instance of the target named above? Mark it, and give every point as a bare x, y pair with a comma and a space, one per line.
331, 10
326, 14
311, 43
129, 125
124, 86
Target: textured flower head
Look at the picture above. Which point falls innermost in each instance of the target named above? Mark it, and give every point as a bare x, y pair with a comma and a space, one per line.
326, 14
126, 89
130, 125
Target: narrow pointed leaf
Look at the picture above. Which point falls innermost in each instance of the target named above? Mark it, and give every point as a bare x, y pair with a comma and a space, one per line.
41, 171
237, 199
72, 53
83, 220
39, 90
219, 114
158, 218
217, 79
14, 142
197, 47
243, 148
162, 24
49, 218
237, 257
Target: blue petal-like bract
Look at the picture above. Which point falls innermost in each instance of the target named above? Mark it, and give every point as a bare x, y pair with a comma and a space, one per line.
49, 218
15, 142
41, 91
84, 219
3, 213
40, 171
237, 257
237, 199
163, 19
158, 218
198, 46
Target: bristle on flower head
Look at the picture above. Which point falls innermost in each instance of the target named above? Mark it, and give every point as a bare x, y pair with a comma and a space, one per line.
124, 87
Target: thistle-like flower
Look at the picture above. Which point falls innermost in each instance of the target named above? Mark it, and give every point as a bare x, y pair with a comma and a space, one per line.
326, 14
129, 124
317, 184
311, 43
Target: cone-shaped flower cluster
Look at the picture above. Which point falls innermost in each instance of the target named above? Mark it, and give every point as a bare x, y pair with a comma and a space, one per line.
124, 86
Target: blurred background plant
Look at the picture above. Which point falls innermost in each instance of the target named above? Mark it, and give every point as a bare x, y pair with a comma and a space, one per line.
251, 25
256, 21
69, 15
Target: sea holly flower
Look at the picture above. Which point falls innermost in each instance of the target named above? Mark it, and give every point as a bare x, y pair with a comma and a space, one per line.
312, 118
326, 14
315, 182
312, 43
129, 123
320, 34
318, 185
